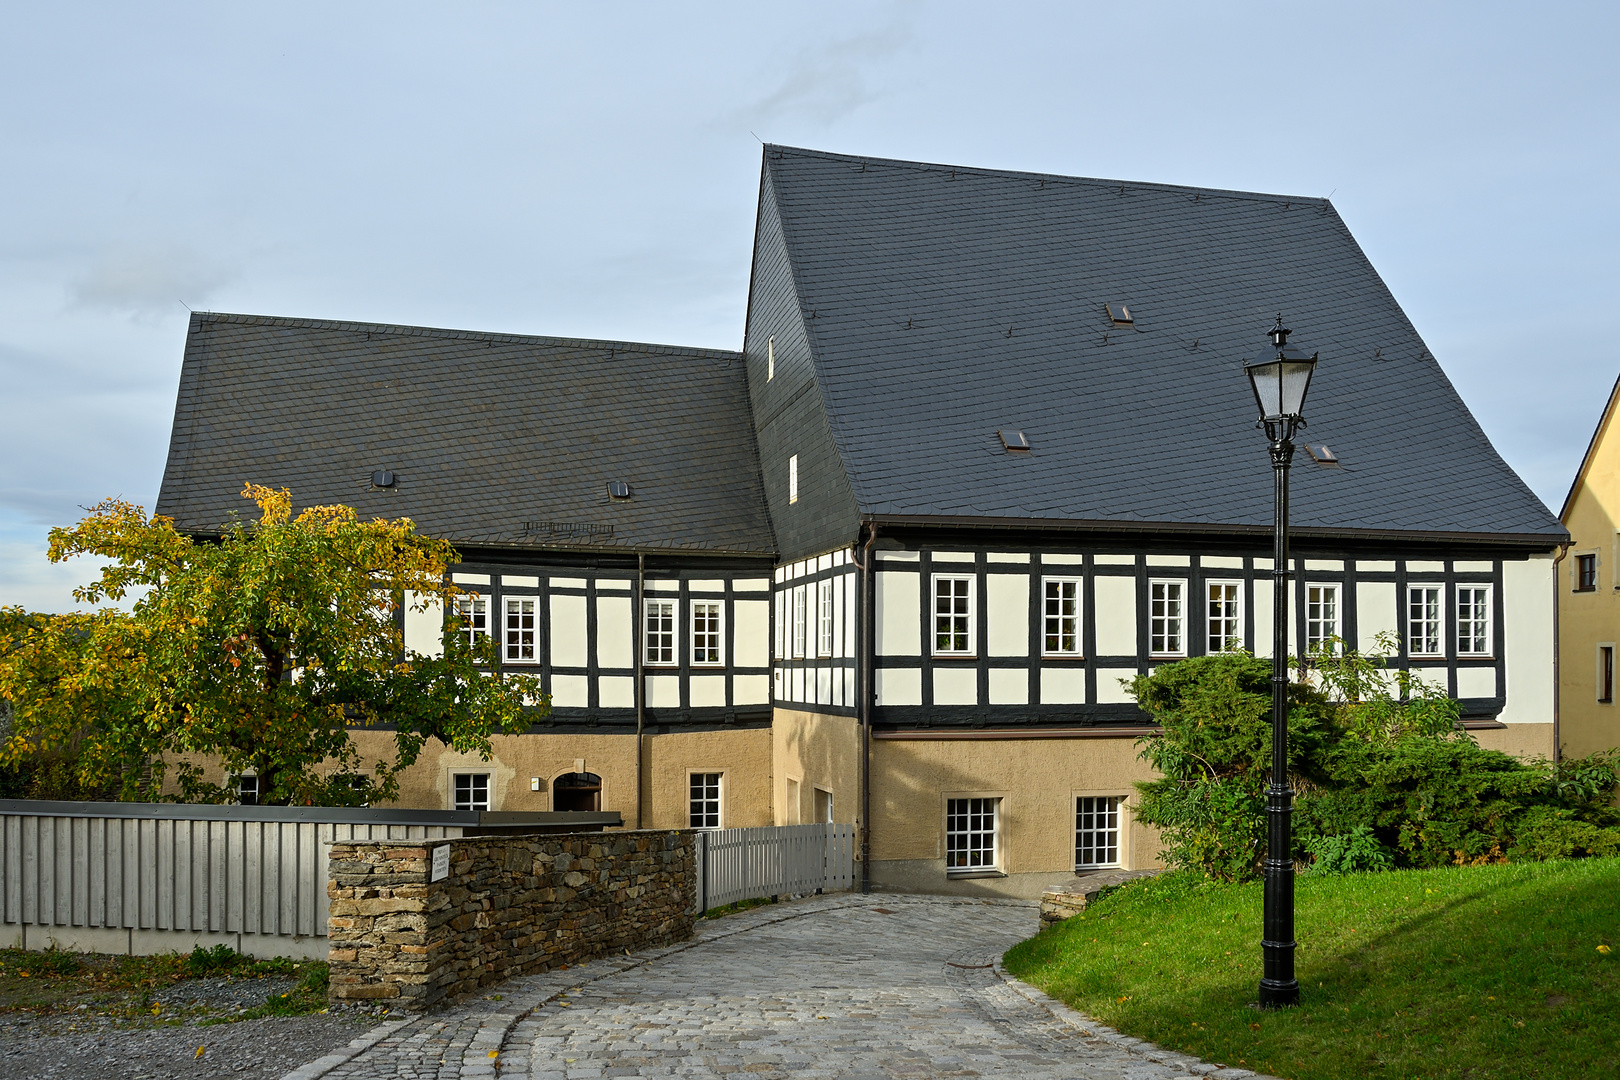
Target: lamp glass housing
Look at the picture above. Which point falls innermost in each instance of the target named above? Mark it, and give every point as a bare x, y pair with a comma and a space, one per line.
1280, 385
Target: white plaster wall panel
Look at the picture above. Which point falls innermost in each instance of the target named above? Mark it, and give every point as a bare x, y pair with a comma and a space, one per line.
613, 584
708, 691
615, 636
750, 620
1006, 607
568, 644
851, 608
1376, 612
953, 556
657, 585
1169, 560
1110, 691
1063, 686
1437, 677
751, 585
1375, 566
616, 691
519, 581
796, 684
1262, 618
838, 615
898, 556
1059, 559
823, 686
1476, 682
424, 630
780, 684
1009, 686
570, 691
837, 677
1220, 562
664, 691
1415, 567
1464, 567
823, 562
898, 686
899, 618
470, 579
1007, 556
1527, 640
849, 686
568, 583
1324, 564
956, 686
1116, 615
706, 585
1114, 560
750, 690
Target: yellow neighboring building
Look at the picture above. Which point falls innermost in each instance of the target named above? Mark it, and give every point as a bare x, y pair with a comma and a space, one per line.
1589, 601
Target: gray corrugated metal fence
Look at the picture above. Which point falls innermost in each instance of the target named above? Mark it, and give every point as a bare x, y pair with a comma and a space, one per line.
783, 860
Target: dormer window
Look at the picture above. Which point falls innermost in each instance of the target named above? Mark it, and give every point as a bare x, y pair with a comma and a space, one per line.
770, 358
793, 479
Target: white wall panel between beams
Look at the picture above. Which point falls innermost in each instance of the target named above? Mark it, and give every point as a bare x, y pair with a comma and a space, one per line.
851, 608
615, 632
899, 617
568, 644
1109, 689
1063, 686
956, 686
708, 691
663, 691
751, 689
1007, 614
616, 691
424, 630
1527, 636
1376, 613
751, 626
570, 691
1116, 615
1476, 682
898, 686
1010, 686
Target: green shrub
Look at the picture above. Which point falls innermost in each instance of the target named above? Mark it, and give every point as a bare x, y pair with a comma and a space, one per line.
1349, 852
52, 961
206, 961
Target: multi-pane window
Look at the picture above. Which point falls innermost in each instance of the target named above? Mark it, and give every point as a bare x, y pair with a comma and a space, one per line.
1585, 573
1223, 611
472, 791
704, 812
1473, 620
660, 632
801, 619
970, 834
247, 790
1167, 618
706, 632
1423, 629
520, 625
953, 615
473, 610
1096, 831
824, 618
1061, 617
1321, 616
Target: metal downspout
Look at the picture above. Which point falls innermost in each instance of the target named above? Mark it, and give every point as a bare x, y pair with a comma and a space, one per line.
867, 654
1558, 654
635, 645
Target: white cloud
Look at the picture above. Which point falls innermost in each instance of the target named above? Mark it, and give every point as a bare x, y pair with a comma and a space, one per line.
829, 81
150, 280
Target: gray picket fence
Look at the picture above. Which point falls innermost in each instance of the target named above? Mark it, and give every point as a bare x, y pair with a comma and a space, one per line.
148, 877
782, 860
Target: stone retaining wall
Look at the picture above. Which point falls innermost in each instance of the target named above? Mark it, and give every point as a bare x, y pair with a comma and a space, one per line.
511, 905
1070, 898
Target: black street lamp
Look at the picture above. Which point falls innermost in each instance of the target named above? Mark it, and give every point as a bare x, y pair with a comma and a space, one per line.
1279, 386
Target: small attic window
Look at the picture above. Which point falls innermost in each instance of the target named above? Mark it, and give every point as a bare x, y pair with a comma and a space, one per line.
383, 478
1013, 440
1120, 313
1322, 455
618, 489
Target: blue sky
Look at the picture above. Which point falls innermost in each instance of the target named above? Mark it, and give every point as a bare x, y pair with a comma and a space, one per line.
592, 171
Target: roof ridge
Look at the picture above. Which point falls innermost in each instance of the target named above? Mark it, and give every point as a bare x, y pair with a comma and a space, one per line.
1092, 181
475, 335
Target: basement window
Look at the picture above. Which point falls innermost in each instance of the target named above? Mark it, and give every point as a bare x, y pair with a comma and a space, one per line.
1120, 313
1014, 440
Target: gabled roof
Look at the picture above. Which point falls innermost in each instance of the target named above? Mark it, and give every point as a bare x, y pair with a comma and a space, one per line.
944, 303
1598, 433
486, 432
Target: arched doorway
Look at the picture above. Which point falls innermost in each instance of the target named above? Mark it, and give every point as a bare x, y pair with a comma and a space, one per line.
577, 791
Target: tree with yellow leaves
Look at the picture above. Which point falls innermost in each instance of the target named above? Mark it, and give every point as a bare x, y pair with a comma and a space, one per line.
261, 652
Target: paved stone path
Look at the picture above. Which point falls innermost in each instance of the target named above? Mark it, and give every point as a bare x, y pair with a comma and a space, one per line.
839, 986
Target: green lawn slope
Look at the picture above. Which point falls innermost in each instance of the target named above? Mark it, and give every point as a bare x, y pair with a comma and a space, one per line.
1508, 971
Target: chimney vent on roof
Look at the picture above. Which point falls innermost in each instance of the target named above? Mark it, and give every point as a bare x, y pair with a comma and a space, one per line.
1013, 440
1120, 313
618, 489
382, 478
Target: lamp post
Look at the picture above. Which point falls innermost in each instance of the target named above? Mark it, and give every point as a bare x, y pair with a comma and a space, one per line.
1279, 386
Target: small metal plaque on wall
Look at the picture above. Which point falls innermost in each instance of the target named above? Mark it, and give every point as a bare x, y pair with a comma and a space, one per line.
441, 863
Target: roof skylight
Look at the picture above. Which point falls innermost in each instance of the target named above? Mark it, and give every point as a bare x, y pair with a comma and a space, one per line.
1013, 440
618, 489
1120, 313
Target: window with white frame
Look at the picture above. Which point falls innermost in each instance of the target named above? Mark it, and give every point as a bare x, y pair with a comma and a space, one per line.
473, 611
953, 615
472, 791
247, 790
1060, 616
1096, 831
770, 358
659, 632
1224, 616
1167, 602
1321, 616
1423, 629
793, 479
970, 834
824, 617
801, 620
520, 629
704, 804
1474, 620
706, 647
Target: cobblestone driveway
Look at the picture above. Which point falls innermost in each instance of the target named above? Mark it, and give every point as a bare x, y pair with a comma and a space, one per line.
840, 986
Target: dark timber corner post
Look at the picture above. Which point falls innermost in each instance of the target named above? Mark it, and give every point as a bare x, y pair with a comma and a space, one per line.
1279, 386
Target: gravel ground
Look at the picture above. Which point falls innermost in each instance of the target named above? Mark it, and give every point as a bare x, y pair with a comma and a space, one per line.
94, 1048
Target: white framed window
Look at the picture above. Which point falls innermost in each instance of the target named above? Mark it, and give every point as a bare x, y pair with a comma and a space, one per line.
970, 834
1474, 621
824, 617
1060, 616
247, 790
1096, 831
1424, 632
473, 611
801, 621
703, 806
1321, 615
793, 479
472, 791
519, 629
659, 632
953, 615
706, 644
770, 358
1167, 618
1223, 610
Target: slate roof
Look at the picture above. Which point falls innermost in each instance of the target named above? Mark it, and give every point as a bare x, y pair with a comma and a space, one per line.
944, 303
485, 432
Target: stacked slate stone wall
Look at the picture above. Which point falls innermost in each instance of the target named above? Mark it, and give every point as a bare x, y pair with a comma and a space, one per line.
511, 905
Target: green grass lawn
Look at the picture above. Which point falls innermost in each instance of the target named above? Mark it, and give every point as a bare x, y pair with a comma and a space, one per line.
1466, 972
